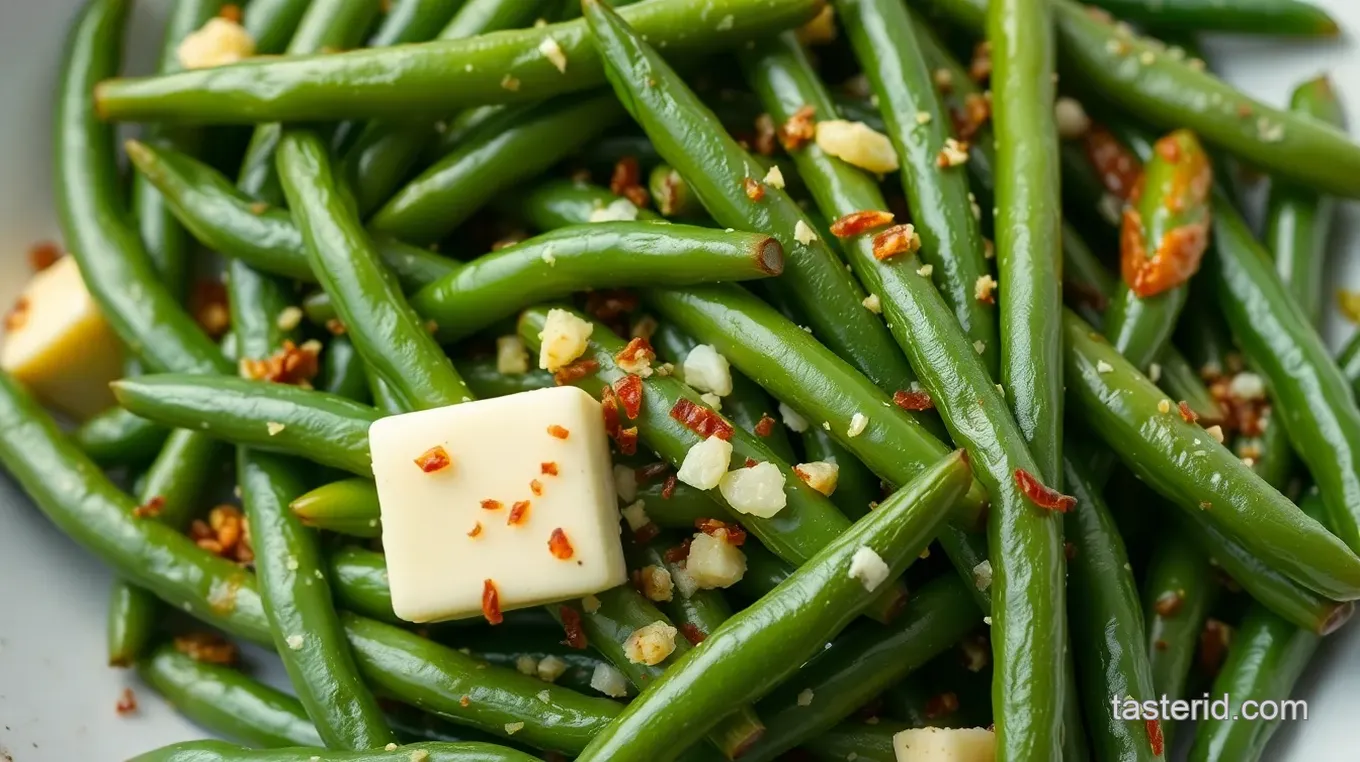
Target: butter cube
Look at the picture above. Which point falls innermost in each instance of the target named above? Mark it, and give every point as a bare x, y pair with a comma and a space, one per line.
945, 745
525, 505
57, 343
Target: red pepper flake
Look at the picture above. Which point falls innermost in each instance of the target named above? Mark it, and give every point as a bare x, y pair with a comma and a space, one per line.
1175, 261
701, 420
43, 255
914, 399
646, 533
335, 327
854, 223
668, 488
692, 633
765, 135
722, 530
150, 509
750, 463
1188, 415
626, 181
765, 426
127, 702
610, 303
231, 12
1168, 603
560, 546
969, 119
627, 441
575, 371
678, 553
491, 603
754, 190
571, 624
548, 469
941, 705
492, 505
1154, 731
208, 304
291, 364
635, 356
517, 512
206, 647
1116, 166
1213, 645
798, 129
557, 431
536, 487
17, 317
465, 701
1049, 499
898, 239
629, 391
434, 459
476, 530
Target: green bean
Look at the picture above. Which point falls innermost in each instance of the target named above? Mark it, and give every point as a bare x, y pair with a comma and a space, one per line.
383, 154
1178, 590
1348, 360
883, 36
697, 614
792, 366
164, 239
486, 380
1298, 220
410, 21
761, 646
432, 79
676, 505
342, 371
558, 203
116, 437
433, 751
515, 145
671, 193
857, 488
1290, 17
1163, 238
1189, 467
799, 531
600, 255
329, 430
173, 484
1107, 623
860, 664
691, 139
386, 331
871, 743
116, 267
271, 23
227, 702
621, 612
512, 649
230, 222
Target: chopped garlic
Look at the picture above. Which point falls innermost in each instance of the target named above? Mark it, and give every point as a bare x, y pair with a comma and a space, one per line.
1104, 367
857, 425
873, 304
705, 463
758, 490
1154, 372
708, 371
657, 584
1247, 386
553, 52
609, 681
551, 667
544, 696
564, 338
775, 177
1164, 406
636, 515
983, 287
923, 117
712, 400
219, 42
1072, 120
684, 582
274, 427
803, 234
792, 419
512, 358
650, 644
1216, 432
294, 642
714, 562
512, 728
820, 475
953, 153
805, 697
869, 568
982, 575
821, 30
979, 346
925, 270
618, 210
590, 604
625, 483
289, 318
858, 144
527, 665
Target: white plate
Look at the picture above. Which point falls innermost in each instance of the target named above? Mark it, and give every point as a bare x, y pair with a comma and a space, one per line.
56, 694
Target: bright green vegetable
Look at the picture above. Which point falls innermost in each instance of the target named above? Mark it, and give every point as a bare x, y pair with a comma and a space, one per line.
342, 371
1250, 16
116, 437
558, 203
871, 743
271, 23
349, 506
408, 21
430, 751
1178, 590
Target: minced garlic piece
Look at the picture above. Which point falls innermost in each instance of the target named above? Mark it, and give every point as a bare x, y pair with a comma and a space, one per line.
618, 210
635, 514
1164, 406
805, 697
873, 304
708, 371
953, 154
1071, 117
792, 419
869, 568
1104, 367
925, 270
983, 288
1216, 432
609, 681
625, 483
982, 575
650, 644
803, 234
527, 665
714, 562
590, 604
706, 463
1247, 386
820, 475
551, 667
564, 337
857, 423
289, 318
217, 43
775, 177
553, 52
857, 143
712, 400
758, 490
274, 427
512, 358
657, 584
512, 728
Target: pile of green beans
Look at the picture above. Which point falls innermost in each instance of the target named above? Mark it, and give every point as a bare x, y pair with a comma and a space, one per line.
427, 179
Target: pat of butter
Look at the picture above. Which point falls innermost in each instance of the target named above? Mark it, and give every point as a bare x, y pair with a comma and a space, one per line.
945, 745
58, 344
449, 531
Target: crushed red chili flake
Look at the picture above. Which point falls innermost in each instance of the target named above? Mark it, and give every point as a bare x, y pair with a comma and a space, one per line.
43, 255
701, 420
1040, 495
18, 316
941, 705
765, 135
225, 534
609, 408
434, 459
491, 603
231, 12
1161, 645
629, 391
897, 239
765, 426
913, 399
1168, 603
492, 505
610, 303
1155, 739
475, 530
575, 371
1118, 169
692, 633
678, 553
208, 303
127, 702
548, 469
335, 327
291, 364
754, 189
627, 440
206, 647
732, 533
1175, 261
798, 129
558, 431
536, 487
517, 513
465, 701
571, 624
638, 354
646, 533
969, 119
150, 509
1213, 645
1244, 110
626, 181
862, 221
749, 463
669, 488
1188, 415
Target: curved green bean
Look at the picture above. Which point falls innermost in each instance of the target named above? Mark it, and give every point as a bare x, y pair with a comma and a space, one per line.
271, 23
408, 21
116, 437
558, 203
428, 751
1178, 590
349, 506
871, 743
1290, 17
